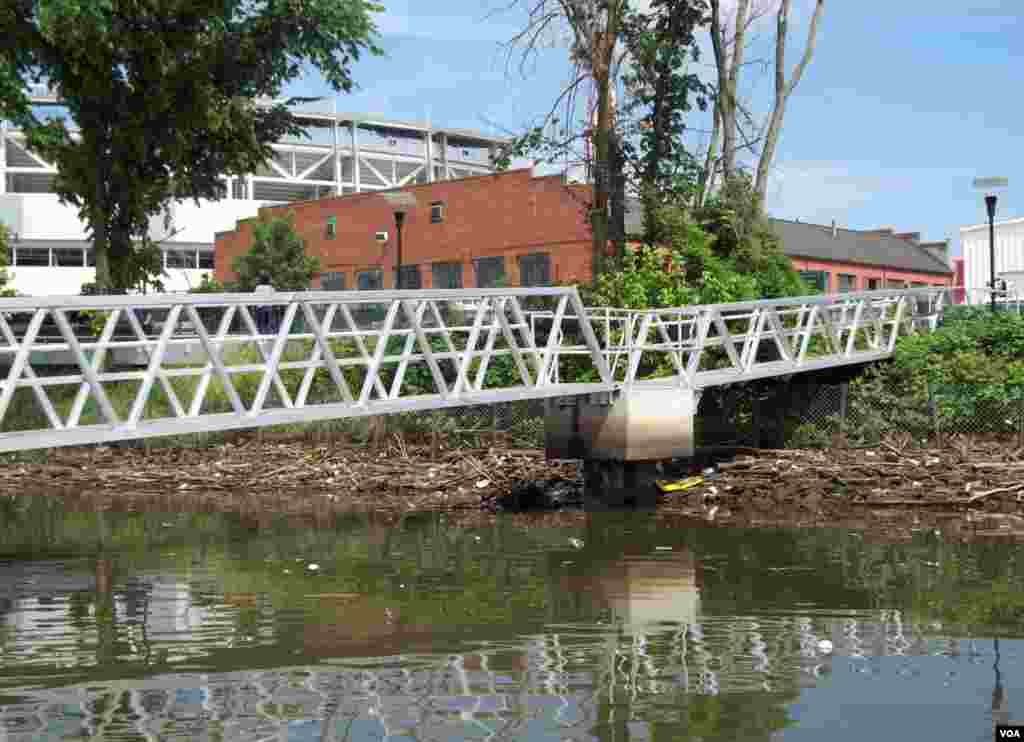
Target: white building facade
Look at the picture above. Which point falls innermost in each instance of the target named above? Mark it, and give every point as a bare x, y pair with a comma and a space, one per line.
1009, 255
343, 153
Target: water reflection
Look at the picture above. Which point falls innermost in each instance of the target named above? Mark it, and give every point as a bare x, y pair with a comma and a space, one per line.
156, 626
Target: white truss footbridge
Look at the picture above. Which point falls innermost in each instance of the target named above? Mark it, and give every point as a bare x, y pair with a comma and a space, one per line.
180, 364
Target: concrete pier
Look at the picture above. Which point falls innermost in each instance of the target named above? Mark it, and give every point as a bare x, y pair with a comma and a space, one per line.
622, 437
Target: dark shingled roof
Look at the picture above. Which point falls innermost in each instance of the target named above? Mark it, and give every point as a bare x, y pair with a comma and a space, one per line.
815, 241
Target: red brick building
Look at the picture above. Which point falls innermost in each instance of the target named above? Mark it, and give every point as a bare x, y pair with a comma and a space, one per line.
509, 227
516, 229
840, 260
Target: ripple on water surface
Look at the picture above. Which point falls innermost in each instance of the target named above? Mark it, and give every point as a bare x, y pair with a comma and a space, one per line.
120, 627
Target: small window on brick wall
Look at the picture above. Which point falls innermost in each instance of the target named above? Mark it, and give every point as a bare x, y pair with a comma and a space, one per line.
490, 272
535, 270
437, 212
332, 281
446, 275
815, 279
332, 227
371, 280
409, 277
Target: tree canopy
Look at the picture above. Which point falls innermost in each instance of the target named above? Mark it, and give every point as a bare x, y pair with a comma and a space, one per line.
164, 95
277, 250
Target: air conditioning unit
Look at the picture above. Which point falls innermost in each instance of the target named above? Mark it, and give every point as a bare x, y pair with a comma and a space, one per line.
381, 236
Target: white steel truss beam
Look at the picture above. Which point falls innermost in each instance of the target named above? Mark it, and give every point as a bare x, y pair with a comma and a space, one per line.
368, 374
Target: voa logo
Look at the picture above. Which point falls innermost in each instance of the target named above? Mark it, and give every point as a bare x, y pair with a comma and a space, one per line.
1008, 734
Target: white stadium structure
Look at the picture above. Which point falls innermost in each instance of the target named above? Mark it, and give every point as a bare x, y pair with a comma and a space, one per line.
343, 153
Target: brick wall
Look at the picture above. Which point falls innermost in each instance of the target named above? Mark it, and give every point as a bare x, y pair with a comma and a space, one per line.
862, 273
507, 214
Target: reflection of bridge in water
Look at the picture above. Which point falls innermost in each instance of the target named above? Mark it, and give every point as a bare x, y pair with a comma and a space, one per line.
652, 645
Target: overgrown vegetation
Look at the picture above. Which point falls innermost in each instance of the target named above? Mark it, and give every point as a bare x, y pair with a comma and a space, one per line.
966, 377
5, 260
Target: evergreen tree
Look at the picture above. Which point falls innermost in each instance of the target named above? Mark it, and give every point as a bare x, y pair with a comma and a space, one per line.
277, 249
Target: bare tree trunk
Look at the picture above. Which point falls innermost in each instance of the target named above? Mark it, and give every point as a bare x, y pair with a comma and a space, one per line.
711, 160
783, 90
100, 240
599, 209
617, 227
728, 67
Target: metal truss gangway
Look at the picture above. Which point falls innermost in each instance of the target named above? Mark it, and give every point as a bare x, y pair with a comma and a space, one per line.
171, 364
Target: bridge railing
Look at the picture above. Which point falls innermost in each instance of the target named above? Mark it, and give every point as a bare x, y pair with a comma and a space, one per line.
706, 345
221, 361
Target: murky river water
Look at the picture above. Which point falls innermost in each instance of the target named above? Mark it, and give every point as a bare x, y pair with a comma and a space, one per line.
616, 627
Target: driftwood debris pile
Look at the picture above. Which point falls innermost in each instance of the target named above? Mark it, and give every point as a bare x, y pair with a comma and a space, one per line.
396, 476
963, 474
302, 475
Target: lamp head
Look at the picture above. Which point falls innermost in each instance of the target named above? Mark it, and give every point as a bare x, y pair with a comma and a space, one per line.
990, 205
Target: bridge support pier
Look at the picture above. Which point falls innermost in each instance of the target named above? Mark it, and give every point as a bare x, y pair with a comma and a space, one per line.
621, 438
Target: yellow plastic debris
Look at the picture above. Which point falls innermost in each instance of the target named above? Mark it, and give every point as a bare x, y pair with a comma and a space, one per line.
679, 485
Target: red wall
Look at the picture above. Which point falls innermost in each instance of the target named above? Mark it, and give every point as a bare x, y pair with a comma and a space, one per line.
863, 272
508, 214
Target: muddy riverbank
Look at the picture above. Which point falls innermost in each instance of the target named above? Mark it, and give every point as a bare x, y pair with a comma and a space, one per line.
964, 478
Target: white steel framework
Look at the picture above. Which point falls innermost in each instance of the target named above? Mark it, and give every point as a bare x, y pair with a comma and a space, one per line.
220, 362
343, 153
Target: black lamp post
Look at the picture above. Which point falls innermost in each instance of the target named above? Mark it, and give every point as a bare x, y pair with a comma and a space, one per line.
401, 203
399, 221
990, 205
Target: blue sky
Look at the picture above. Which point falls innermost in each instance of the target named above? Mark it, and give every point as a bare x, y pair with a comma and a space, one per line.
904, 103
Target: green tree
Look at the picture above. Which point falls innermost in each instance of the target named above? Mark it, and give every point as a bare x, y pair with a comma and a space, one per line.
164, 95
278, 250
5, 260
661, 91
744, 237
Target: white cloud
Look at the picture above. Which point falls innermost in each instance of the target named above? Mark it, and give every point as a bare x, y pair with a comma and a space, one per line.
821, 191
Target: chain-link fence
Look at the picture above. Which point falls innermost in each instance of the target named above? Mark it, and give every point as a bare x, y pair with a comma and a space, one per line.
863, 413
765, 414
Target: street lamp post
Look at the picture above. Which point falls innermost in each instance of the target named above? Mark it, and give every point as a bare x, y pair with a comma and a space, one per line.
990, 185
990, 205
399, 221
402, 202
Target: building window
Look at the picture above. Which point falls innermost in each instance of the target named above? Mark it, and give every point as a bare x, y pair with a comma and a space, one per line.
535, 270
31, 256
371, 280
873, 284
893, 284
409, 277
206, 260
68, 257
332, 281
437, 212
490, 272
817, 280
332, 227
446, 275
181, 259
847, 283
